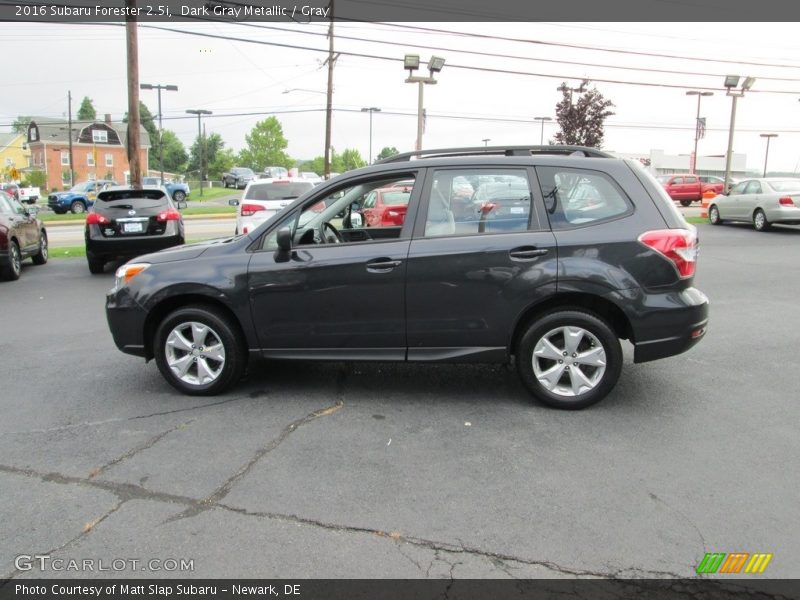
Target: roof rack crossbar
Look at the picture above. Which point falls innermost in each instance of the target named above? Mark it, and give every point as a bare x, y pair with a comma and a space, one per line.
557, 149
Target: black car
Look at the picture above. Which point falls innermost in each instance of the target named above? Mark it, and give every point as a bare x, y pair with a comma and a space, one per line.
549, 282
22, 235
125, 223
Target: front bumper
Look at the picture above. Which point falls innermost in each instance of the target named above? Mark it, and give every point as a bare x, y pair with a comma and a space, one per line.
126, 321
671, 324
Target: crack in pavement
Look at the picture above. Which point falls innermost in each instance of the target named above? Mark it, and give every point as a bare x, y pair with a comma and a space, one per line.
684, 517
224, 489
124, 419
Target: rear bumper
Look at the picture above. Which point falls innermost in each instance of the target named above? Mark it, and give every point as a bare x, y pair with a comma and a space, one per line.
124, 246
787, 215
126, 321
673, 324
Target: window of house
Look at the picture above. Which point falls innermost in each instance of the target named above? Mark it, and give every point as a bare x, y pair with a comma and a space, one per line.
109, 160
34, 134
577, 197
90, 159
99, 136
477, 201
65, 158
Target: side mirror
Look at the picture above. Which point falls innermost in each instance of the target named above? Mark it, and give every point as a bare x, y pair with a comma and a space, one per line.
233, 202
182, 204
284, 239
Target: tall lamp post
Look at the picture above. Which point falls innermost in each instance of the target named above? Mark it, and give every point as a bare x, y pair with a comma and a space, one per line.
159, 87
766, 155
411, 64
731, 82
699, 95
200, 140
541, 135
370, 110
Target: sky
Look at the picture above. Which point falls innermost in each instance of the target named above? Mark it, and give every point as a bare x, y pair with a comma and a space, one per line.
466, 106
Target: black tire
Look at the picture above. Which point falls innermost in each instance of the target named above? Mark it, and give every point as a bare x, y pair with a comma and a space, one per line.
686, 203
602, 378
77, 207
13, 267
221, 330
760, 222
59, 211
179, 196
713, 215
41, 257
96, 264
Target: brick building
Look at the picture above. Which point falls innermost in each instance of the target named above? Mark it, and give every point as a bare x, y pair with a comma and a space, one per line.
99, 150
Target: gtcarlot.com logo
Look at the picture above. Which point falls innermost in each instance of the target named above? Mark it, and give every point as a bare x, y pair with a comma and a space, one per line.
44, 562
734, 563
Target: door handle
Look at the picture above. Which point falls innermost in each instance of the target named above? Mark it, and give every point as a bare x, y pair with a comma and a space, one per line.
527, 253
382, 265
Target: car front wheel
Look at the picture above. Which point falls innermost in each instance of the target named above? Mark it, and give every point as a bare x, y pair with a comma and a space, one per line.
198, 351
13, 267
569, 359
77, 207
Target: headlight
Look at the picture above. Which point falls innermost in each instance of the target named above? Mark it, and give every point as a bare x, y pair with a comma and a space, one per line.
127, 272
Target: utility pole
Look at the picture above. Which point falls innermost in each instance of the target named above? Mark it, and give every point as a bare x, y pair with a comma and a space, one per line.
699, 95
329, 102
69, 129
200, 139
134, 141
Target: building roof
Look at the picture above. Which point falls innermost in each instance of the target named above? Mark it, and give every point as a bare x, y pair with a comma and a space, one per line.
6, 139
55, 130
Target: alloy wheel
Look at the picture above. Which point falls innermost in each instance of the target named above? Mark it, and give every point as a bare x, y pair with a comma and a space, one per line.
195, 353
569, 361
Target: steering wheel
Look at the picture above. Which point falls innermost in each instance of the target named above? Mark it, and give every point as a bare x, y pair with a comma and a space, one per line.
328, 237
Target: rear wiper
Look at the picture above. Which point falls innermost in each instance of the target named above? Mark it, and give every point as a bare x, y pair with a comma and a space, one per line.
126, 206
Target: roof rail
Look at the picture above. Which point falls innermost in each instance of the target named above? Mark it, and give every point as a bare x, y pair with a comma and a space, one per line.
564, 150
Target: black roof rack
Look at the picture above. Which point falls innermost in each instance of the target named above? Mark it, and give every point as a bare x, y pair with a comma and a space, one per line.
563, 150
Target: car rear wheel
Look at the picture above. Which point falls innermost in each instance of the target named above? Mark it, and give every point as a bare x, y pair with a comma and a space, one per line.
686, 202
77, 207
96, 264
760, 222
713, 216
41, 257
569, 359
13, 266
198, 351
179, 196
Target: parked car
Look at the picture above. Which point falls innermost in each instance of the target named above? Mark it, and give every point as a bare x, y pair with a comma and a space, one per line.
713, 183
386, 206
311, 176
554, 294
78, 199
763, 202
177, 190
687, 188
22, 235
125, 223
264, 198
274, 173
238, 177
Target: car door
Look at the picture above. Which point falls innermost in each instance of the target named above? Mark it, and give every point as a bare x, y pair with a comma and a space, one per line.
731, 207
750, 199
341, 300
472, 273
25, 225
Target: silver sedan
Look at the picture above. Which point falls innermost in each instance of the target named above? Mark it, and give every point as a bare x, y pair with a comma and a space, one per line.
762, 202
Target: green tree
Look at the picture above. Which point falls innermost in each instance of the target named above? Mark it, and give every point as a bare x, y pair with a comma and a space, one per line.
213, 144
350, 159
224, 161
265, 146
581, 122
175, 155
148, 122
87, 112
35, 178
21, 124
387, 152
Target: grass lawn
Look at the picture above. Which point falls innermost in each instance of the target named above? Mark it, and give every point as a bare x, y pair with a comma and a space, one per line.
697, 220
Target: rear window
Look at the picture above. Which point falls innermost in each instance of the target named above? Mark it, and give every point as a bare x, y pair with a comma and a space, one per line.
114, 195
396, 197
277, 191
789, 185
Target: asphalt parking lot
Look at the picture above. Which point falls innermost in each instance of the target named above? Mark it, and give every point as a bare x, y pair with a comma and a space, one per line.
404, 471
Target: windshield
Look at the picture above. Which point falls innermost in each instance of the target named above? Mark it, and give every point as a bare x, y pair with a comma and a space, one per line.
244, 171
277, 191
786, 185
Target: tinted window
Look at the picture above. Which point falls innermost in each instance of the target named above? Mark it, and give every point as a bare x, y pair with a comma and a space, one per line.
277, 191
500, 202
574, 197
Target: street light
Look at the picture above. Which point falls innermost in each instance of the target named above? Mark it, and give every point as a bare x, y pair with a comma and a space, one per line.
200, 141
370, 110
541, 135
699, 95
486, 141
766, 155
159, 87
731, 81
411, 63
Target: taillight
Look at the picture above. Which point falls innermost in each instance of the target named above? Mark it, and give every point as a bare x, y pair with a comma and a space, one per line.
250, 209
168, 215
677, 245
95, 219
786, 201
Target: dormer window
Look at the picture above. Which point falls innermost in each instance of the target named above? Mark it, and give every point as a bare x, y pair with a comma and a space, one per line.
34, 134
99, 136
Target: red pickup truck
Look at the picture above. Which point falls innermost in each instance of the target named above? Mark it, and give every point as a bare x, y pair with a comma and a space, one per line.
687, 188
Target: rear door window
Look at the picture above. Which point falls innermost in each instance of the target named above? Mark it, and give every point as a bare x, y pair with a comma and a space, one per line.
577, 197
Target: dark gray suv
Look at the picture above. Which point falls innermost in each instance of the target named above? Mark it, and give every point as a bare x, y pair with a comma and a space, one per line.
545, 255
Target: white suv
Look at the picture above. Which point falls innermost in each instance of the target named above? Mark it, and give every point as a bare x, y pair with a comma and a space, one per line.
263, 198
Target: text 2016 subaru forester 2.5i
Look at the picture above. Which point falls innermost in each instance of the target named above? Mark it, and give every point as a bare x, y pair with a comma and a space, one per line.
528, 270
